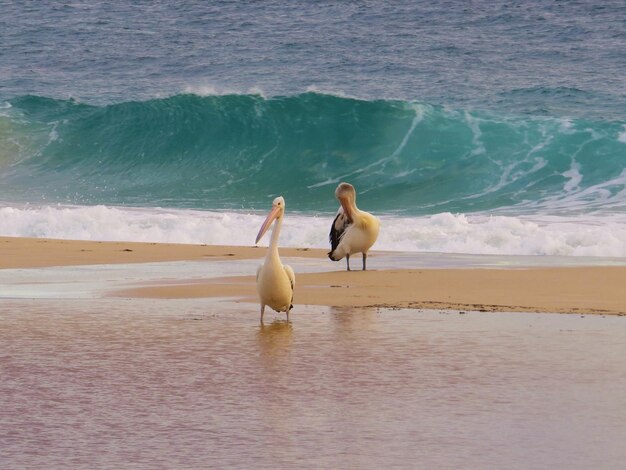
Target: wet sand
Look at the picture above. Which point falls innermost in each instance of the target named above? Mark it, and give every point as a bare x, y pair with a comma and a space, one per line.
196, 383
571, 289
18, 252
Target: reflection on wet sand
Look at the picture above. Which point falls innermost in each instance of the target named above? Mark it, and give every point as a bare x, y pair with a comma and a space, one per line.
196, 384
275, 339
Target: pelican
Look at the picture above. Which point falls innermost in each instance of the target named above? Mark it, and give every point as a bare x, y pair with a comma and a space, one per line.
274, 281
353, 230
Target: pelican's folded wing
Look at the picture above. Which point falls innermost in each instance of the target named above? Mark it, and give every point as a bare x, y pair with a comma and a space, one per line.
292, 278
338, 228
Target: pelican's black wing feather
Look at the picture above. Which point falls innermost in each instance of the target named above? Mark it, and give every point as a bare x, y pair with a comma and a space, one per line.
337, 229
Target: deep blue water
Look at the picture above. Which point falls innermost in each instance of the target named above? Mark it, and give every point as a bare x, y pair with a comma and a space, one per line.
532, 57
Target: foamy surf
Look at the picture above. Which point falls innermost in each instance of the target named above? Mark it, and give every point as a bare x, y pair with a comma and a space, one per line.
582, 235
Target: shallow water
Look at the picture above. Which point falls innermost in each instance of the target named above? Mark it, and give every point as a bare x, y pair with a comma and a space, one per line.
93, 281
200, 384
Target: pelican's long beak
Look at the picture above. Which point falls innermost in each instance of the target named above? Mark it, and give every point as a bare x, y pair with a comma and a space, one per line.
273, 215
347, 208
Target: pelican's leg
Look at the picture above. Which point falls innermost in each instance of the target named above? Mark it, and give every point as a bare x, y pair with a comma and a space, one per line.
262, 311
288, 310
348, 261
364, 260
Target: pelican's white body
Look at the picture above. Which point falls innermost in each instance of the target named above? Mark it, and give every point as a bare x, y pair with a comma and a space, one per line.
274, 281
353, 230
359, 236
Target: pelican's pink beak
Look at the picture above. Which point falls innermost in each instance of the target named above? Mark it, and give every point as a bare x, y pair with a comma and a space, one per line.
347, 208
273, 215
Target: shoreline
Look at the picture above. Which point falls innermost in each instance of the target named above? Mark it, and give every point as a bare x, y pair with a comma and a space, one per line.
556, 289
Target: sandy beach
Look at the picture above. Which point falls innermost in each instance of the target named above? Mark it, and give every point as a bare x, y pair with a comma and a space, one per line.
580, 289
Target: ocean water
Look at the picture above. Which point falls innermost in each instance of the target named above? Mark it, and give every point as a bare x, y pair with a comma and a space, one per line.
482, 127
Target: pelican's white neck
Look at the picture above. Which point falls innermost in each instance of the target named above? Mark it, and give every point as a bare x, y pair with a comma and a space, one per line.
273, 247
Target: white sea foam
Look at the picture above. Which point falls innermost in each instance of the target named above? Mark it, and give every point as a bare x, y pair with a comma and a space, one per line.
53, 135
480, 234
605, 196
214, 90
574, 177
324, 91
567, 126
622, 135
420, 111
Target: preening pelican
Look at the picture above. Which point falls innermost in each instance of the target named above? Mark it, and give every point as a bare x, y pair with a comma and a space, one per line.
353, 230
274, 282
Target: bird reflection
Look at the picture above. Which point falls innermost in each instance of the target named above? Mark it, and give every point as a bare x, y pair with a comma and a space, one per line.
275, 339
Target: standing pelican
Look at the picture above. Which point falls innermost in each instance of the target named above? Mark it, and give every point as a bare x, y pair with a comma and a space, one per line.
274, 282
353, 230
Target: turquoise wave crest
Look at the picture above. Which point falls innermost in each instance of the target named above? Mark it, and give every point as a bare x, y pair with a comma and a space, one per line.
237, 151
